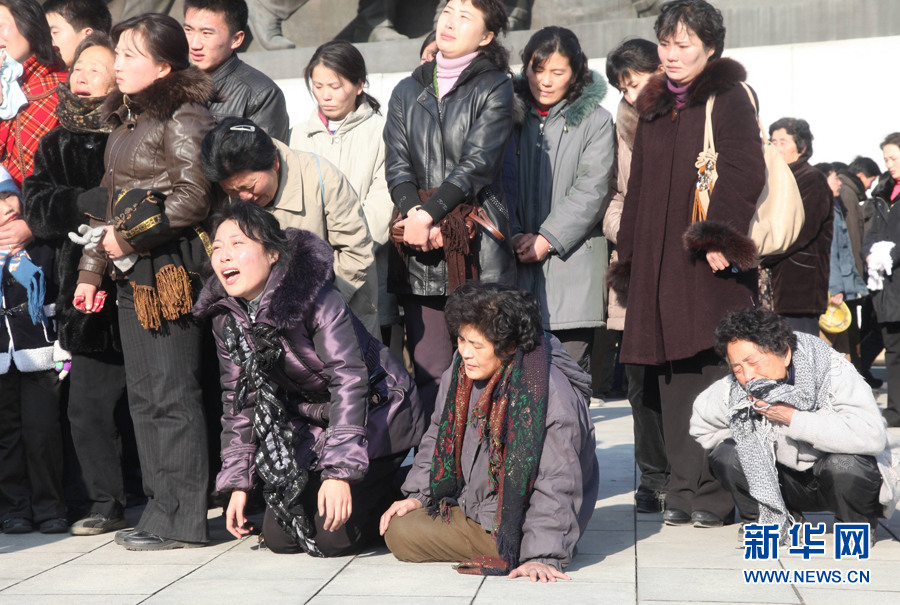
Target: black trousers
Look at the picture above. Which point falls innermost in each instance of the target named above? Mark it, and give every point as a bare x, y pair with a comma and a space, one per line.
162, 369
579, 343
97, 386
649, 444
371, 497
692, 486
846, 484
803, 322
891, 335
31, 448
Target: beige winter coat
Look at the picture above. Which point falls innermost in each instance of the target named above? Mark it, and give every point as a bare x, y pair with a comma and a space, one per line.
357, 149
626, 125
314, 195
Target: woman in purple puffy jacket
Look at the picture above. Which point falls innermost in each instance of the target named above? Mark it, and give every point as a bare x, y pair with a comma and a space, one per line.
315, 410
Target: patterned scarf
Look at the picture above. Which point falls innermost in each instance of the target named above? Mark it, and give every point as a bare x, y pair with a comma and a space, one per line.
80, 114
275, 459
510, 414
755, 436
32, 279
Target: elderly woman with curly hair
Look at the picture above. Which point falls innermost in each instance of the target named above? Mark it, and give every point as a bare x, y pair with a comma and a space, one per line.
794, 427
505, 479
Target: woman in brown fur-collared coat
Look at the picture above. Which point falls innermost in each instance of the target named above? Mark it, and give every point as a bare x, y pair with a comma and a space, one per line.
159, 118
681, 278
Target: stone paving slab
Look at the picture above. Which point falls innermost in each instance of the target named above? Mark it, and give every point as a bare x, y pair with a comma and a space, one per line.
624, 557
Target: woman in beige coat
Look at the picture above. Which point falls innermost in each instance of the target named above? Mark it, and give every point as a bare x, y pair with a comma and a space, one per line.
303, 191
346, 128
628, 68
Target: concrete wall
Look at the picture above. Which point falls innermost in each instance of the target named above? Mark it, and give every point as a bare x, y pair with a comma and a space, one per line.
849, 111
750, 23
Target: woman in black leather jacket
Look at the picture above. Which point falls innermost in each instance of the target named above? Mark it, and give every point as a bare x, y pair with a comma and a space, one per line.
447, 129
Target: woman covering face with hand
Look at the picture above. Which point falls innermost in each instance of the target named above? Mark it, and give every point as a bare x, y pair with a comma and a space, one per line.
303, 383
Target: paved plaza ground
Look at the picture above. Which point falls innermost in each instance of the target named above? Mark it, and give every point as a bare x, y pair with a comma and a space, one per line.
624, 558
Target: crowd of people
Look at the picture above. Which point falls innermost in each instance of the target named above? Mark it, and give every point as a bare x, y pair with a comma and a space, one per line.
180, 271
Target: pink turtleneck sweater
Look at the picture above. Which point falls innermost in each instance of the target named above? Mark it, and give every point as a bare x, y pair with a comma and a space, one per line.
449, 70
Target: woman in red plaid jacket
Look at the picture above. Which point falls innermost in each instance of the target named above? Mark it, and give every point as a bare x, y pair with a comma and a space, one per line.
29, 73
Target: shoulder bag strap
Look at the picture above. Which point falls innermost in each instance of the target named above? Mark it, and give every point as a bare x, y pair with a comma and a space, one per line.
762, 130
709, 143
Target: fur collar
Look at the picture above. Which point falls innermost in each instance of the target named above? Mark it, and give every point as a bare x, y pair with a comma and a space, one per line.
592, 95
293, 285
884, 188
161, 99
657, 100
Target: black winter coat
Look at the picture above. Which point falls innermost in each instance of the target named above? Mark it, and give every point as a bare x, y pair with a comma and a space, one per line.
800, 275
459, 140
66, 165
885, 226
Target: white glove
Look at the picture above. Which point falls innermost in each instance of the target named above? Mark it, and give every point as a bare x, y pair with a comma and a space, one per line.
880, 264
87, 236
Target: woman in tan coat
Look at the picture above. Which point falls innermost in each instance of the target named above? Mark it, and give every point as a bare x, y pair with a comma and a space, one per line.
346, 129
303, 191
629, 67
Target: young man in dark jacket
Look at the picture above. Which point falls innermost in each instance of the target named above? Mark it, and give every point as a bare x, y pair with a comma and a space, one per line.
215, 30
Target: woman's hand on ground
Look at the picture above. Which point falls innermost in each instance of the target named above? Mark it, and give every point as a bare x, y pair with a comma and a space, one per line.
399, 508
335, 503
717, 261
538, 572
235, 522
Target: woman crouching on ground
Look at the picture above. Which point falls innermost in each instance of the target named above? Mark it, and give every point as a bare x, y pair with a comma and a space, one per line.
505, 478
315, 408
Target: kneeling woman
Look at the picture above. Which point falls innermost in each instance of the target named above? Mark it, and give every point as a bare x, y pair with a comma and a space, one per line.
314, 406
508, 461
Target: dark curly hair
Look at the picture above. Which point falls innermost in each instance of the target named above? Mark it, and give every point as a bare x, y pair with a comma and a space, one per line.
259, 225
560, 40
507, 317
698, 16
767, 330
